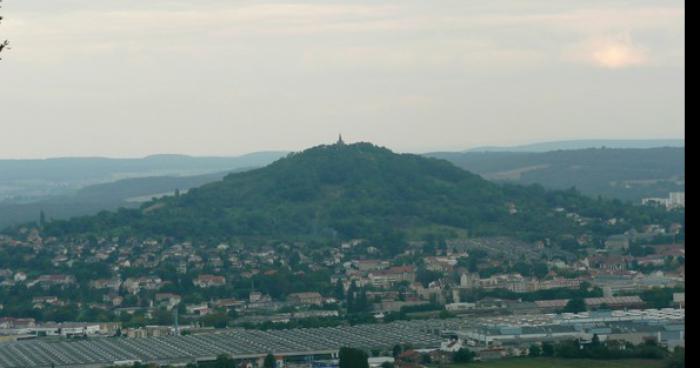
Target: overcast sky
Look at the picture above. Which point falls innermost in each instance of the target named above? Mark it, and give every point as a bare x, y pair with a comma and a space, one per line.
130, 78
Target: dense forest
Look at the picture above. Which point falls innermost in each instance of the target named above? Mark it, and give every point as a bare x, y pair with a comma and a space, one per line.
363, 191
626, 174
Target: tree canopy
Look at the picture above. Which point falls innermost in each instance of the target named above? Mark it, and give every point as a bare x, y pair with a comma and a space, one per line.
362, 191
353, 358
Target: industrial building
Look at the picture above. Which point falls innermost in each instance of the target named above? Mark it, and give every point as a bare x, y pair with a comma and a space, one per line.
305, 345
253, 345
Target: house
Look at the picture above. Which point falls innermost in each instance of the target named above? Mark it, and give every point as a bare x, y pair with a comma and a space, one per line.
408, 359
617, 244
365, 265
521, 307
670, 250
452, 345
513, 282
228, 303
205, 281
20, 276
40, 302
492, 353
306, 298
440, 264
610, 263
593, 303
10, 323
135, 284
168, 300
47, 281
393, 275
149, 331
651, 260
384, 295
615, 302
469, 280
679, 298
433, 292
114, 300
377, 362
114, 284
440, 358
460, 307
560, 282
198, 309
258, 297
550, 306
395, 306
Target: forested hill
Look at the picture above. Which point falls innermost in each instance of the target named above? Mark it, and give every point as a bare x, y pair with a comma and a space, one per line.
359, 191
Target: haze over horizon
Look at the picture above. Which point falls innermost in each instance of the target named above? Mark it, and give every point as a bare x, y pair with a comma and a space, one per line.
221, 78
533, 147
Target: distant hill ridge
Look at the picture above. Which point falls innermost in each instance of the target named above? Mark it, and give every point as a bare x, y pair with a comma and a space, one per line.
87, 168
583, 144
624, 173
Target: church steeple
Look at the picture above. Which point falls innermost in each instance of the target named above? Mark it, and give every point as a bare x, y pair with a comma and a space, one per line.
340, 140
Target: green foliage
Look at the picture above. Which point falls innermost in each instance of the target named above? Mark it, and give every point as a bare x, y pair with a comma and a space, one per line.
659, 297
463, 355
641, 251
547, 349
536, 269
548, 294
444, 314
396, 351
312, 322
597, 350
269, 361
224, 361
216, 320
358, 191
425, 276
353, 358
357, 301
677, 359
575, 305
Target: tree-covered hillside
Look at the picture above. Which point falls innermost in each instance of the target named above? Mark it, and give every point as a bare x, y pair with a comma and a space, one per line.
362, 191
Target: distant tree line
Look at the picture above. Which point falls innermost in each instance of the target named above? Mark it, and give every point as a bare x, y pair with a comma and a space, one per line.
609, 350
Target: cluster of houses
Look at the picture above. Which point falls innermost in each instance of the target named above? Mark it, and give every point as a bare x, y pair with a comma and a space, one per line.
390, 284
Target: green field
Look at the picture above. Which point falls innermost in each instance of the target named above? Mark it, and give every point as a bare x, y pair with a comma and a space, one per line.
565, 363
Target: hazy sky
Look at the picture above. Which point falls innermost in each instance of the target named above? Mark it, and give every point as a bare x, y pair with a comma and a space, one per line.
214, 77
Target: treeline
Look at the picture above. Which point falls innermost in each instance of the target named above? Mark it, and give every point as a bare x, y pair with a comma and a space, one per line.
573, 349
584, 291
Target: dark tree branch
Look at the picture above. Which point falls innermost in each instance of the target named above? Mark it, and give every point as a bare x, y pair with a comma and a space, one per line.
5, 43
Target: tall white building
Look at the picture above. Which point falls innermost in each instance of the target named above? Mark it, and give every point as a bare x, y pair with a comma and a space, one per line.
676, 199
